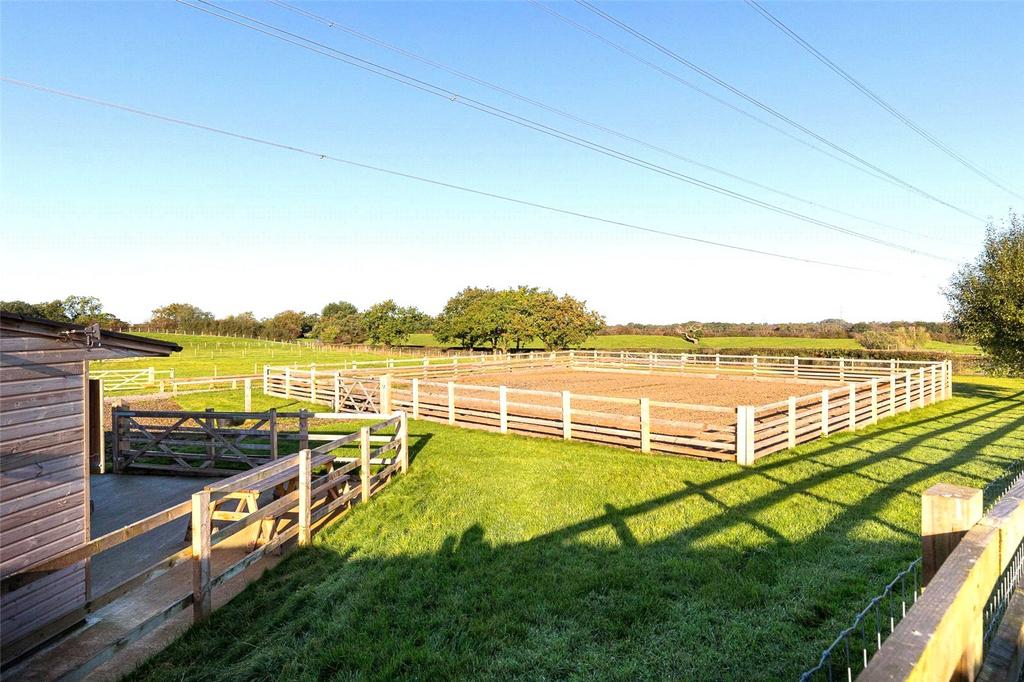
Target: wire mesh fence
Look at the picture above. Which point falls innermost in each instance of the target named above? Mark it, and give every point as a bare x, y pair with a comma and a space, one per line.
850, 652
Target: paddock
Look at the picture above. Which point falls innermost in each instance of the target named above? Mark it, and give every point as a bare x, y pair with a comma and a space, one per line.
725, 407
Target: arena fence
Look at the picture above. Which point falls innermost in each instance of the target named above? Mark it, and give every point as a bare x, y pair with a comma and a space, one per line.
868, 390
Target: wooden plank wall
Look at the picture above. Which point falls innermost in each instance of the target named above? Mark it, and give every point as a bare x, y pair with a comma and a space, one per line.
43, 476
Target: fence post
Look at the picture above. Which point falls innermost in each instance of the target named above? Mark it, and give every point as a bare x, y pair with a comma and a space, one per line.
566, 416
910, 386
947, 513
403, 453
385, 394
796, 367
115, 445
744, 435
755, 365
266, 379
337, 391
451, 402
247, 404
415, 398
303, 429
364, 462
211, 445
791, 422
645, 424
949, 378
273, 433
152, 375
287, 382
931, 386
305, 501
874, 400
892, 395
920, 387
853, 407
824, 413
202, 595
503, 409
312, 383
842, 369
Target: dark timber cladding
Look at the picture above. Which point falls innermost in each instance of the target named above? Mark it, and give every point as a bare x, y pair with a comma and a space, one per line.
44, 457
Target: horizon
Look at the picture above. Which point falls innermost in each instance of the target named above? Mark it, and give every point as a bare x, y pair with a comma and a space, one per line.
135, 210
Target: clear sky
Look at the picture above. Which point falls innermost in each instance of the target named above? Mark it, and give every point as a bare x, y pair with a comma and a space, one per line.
142, 213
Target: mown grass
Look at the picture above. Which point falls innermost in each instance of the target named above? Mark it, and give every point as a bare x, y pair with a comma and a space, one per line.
654, 342
203, 356
508, 557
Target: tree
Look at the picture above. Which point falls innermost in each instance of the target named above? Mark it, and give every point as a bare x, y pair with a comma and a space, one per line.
899, 338
285, 326
563, 322
387, 323
339, 309
341, 329
458, 321
243, 324
21, 308
986, 298
183, 317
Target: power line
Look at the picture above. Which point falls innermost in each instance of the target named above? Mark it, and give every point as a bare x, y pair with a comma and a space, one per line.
335, 24
766, 108
876, 98
419, 178
424, 86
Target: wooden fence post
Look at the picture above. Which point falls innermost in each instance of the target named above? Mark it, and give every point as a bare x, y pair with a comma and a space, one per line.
305, 501
247, 403
385, 394
842, 369
303, 430
874, 400
211, 444
403, 453
451, 402
791, 422
909, 387
503, 409
852, 424
892, 394
337, 391
796, 367
645, 425
718, 361
744, 435
287, 382
920, 385
415, 398
566, 416
202, 595
947, 513
312, 383
755, 365
932, 386
824, 413
364, 462
272, 426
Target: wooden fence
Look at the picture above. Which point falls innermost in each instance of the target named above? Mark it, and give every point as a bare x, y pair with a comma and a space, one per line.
976, 565
131, 379
287, 499
868, 390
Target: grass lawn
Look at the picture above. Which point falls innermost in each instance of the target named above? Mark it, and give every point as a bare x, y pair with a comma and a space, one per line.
204, 356
509, 557
654, 342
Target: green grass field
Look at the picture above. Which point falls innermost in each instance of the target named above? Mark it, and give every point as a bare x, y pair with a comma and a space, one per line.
505, 557
203, 356
618, 341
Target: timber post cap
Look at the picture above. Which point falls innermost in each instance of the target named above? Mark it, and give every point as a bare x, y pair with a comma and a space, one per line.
962, 492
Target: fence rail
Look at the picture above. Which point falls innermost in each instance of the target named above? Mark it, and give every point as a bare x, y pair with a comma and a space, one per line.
869, 390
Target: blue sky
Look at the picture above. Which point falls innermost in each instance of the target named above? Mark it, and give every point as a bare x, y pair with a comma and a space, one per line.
142, 213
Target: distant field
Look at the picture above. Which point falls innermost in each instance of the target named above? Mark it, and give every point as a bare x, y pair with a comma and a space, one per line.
208, 355
617, 341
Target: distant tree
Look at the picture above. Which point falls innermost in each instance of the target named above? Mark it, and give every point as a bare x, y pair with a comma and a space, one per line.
986, 298
285, 326
338, 309
341, 329
309, 322
459, 322
899, 338
21, 308
181, 317
387, 323
242, 324
564, 321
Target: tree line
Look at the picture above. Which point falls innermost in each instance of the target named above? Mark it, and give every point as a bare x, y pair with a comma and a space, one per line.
832, 328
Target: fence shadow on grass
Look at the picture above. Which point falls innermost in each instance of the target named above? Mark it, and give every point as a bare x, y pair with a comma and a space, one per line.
738, 594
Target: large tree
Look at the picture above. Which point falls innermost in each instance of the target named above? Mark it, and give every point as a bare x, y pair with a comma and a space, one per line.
181, 317
285, 326
986, 298
388, 324
459, 321
564, 321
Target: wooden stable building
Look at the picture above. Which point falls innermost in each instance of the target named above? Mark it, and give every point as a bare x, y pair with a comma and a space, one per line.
47, 405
